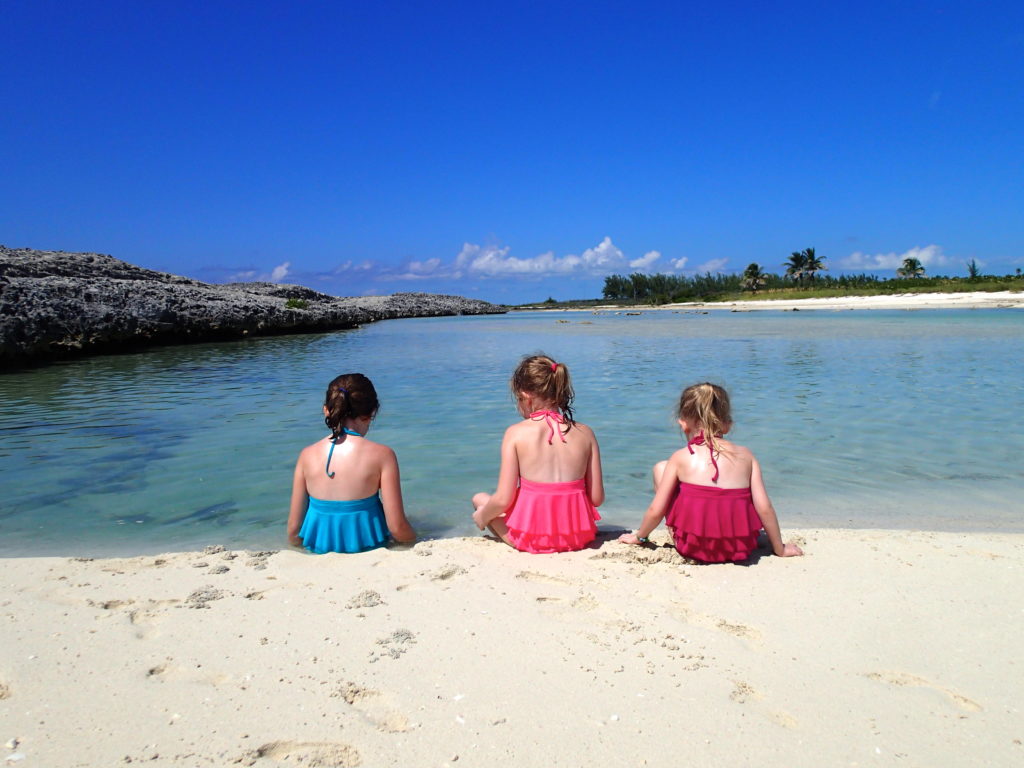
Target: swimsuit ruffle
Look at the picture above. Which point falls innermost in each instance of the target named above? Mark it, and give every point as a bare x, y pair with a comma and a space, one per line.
344, 526
552, 517
716, 525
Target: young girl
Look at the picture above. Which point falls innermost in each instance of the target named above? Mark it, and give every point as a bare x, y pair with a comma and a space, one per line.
712, 489
550, 482
341, 481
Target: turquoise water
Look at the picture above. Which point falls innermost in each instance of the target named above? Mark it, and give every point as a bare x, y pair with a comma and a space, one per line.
868, 418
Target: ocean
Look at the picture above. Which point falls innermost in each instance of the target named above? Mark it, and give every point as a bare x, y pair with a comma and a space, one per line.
883, 419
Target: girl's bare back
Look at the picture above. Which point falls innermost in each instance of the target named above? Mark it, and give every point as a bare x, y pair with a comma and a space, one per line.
548, 453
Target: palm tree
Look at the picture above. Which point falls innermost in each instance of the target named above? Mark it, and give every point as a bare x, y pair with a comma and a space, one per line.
973, 270
911, 268
796, 266
812, 263
754, 278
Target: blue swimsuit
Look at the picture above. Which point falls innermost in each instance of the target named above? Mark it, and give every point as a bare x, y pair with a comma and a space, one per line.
343, 526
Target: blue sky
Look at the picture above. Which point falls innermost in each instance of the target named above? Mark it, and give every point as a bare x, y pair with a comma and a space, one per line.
512, 151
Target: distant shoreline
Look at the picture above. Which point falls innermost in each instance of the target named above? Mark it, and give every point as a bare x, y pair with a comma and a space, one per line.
908, 301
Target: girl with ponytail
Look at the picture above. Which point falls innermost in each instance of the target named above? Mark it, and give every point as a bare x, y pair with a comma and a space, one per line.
346, 492
549, 484
710, 493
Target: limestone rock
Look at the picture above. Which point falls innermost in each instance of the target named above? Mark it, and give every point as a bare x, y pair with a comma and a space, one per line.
58, 304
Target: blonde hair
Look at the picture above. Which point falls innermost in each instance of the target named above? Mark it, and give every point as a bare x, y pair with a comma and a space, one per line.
542, 377
707, 405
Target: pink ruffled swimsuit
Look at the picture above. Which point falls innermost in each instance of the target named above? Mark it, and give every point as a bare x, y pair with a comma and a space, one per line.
716, 525
551, 517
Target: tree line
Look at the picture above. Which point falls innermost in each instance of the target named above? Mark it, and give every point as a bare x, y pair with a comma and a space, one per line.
803, 269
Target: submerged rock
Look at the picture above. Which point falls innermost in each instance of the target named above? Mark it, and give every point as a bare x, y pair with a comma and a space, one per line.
57, 304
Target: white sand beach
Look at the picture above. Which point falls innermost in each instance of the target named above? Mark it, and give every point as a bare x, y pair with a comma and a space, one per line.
876, 648
972, 300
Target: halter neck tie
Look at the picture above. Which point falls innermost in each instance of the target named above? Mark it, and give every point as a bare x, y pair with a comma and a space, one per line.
552, 418
330, 453
699, 440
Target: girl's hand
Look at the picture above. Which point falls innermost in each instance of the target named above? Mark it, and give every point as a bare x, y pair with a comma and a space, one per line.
630, 538
478, 519
789, 549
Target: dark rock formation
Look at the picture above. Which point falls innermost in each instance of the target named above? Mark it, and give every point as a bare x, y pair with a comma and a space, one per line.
57, 304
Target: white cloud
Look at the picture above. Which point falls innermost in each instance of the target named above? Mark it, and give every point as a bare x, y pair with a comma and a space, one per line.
601, 256
715, 265
349, 266
424, 267
278, 273
490, 260
930, 255
645, 261
243, 276
679, 264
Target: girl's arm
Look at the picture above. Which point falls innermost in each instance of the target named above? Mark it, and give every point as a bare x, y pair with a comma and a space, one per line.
659, 506
765, 511
391, 498
299, 504
508, 481
595, 479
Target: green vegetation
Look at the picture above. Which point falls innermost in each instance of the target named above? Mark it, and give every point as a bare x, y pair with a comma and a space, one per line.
639, 288
754, 278
297, 304
911, 268
800, 281
803, 266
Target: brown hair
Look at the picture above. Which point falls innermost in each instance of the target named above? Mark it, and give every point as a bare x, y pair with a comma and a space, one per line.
546, 379
349, 396
707, 405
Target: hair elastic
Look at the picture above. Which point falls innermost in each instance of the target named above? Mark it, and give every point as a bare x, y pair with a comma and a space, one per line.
554, 367
342, 390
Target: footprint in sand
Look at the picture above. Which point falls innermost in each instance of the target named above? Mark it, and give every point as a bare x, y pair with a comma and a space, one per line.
902, 679
314, 754
143, 614
739, 630
446, 572
741, 691
542, 578
168, 671
109, 605
368, 598
373, 706
5, 691
735, 629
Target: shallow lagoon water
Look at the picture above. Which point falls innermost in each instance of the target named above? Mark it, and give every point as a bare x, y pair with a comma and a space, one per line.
890, 419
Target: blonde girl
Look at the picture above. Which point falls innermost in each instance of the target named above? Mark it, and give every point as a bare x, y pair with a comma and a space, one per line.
710, 493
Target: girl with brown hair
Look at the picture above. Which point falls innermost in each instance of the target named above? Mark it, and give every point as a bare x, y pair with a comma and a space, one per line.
549, 484
346, 491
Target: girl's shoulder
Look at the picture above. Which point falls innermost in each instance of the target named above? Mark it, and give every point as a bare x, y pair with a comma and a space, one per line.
739, 451
583, 428
315, 447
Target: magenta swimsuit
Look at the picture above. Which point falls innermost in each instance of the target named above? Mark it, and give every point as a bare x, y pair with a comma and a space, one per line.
716, 525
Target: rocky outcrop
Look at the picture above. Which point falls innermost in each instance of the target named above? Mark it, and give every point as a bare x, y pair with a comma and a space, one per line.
57, 304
